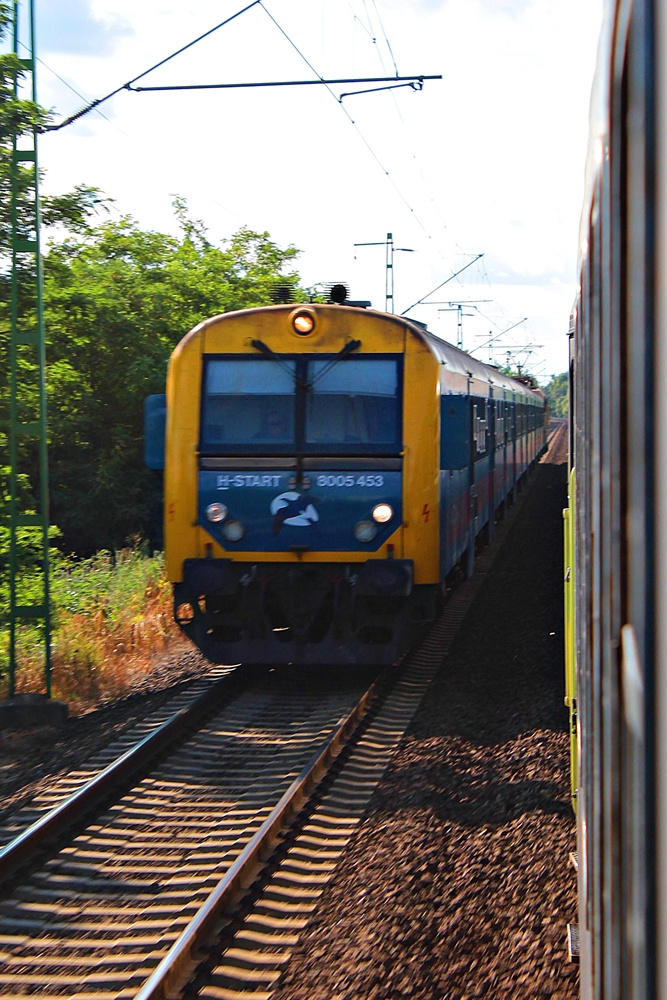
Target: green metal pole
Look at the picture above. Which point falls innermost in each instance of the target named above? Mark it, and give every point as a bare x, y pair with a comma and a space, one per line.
13, 391
31, 335
41, 348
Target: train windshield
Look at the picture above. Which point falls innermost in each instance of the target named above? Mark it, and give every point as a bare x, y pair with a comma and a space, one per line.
248, 401
354, 402
301, 404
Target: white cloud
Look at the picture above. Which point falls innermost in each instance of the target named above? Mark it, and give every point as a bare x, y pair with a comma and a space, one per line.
93, 34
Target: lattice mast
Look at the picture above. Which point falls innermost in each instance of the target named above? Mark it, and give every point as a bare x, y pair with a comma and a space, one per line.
27, 404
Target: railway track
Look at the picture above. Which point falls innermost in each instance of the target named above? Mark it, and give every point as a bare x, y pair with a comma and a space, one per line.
133, 903
96, 918
151, 893
29, 806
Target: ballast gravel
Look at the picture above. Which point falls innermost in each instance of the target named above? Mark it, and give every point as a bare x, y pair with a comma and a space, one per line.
457, 883
31, 759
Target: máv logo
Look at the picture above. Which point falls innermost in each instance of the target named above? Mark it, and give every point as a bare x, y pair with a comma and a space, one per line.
294, 509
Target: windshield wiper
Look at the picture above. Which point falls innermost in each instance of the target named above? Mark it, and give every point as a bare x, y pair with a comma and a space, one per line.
264, 349
352, 345
259, 345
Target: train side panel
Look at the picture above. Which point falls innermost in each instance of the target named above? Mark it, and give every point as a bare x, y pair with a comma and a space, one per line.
421, 493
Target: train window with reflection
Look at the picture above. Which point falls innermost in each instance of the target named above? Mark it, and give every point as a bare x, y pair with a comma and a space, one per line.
353, 404
248, 403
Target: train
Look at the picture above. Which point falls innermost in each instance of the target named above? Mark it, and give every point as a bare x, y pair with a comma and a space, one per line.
328, 470
616, 520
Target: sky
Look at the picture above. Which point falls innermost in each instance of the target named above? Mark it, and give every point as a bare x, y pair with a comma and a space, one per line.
487, 160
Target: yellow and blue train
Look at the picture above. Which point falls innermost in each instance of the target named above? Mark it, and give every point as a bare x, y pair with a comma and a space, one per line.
327, 468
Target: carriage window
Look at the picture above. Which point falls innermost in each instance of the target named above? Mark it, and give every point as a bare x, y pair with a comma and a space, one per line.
353, 403
248, 402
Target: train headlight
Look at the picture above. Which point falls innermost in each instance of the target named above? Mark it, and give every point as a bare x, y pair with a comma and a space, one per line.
216, 512
233, 531
382, 513
303, 322
365, 531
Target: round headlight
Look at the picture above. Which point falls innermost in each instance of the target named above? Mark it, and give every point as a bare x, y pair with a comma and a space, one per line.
365, 531
233, 531
216, 512
303, 323
382, 513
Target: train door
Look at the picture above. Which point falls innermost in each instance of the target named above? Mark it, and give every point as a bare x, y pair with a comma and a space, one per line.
514, 424
501, 451
491, 447
472, 530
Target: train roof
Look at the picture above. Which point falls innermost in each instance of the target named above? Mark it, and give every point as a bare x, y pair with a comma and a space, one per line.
458, 361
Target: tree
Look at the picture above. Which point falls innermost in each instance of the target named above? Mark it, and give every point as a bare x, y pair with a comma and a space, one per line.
557, 393
117, 301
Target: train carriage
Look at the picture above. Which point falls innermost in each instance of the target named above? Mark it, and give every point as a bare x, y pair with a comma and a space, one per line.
327, 467
616, 618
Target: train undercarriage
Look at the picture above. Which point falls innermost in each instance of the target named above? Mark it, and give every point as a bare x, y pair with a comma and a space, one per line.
302, 612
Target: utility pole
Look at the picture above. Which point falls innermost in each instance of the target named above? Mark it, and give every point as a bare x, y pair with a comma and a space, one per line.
457, 307
514, 351
390, 249
493, 337
27, 379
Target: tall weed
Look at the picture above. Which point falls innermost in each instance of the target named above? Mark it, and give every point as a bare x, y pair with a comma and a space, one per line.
111, 615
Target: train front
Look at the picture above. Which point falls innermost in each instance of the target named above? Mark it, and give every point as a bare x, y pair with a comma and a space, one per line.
301, 485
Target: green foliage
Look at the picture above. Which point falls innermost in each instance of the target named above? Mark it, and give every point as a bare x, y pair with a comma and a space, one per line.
117, 301
18, 117
111, 585
74, 210
29, 554
557, 395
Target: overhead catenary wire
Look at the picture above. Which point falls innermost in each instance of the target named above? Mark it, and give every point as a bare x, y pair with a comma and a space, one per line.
69, 86
386, 39
127, 86
370, 31
352, 122
450, 278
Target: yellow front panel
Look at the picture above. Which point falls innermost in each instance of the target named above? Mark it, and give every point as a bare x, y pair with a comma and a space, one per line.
182, 435
233, 333
334, 327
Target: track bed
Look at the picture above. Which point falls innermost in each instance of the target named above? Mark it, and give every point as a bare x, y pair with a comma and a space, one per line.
457, 883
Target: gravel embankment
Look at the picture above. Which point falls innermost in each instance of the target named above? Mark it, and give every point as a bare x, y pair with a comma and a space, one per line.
457, 883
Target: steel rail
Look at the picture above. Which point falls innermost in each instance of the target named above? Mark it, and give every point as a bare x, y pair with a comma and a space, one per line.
180, 963
74, 809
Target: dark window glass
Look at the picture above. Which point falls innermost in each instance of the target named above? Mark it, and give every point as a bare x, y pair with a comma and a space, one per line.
248, 402
301, 404
352, 403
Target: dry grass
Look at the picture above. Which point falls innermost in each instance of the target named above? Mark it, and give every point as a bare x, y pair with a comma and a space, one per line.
112, 618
